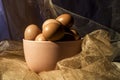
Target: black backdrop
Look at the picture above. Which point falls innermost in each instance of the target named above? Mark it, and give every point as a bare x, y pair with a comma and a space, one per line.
105, 12
20, 13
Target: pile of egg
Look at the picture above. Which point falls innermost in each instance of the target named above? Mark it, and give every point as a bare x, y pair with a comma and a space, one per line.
58, 29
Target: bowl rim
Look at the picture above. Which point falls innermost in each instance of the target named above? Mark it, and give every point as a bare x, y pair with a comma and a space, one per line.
52, 41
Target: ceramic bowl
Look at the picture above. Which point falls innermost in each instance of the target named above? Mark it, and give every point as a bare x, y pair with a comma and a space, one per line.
43, 55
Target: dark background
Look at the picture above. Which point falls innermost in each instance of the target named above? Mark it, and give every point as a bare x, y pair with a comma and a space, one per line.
105, 12
20, 13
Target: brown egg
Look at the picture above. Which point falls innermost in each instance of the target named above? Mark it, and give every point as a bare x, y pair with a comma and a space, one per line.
66, 20
68, 37
49, 21
53, 31
31, 32
75, 33
40, 37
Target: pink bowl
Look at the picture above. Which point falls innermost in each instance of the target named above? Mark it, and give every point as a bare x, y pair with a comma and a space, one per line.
43, 55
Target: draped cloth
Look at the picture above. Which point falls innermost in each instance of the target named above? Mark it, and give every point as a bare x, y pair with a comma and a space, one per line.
4, 32
100, 46
94, 62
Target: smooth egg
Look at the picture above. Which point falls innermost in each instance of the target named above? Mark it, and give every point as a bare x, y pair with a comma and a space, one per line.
40, 37
53, 31
68, 37
31, 32
66, 20
75, 33
49, 21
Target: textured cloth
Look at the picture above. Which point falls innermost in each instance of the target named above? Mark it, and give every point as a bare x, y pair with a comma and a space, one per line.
94, 62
